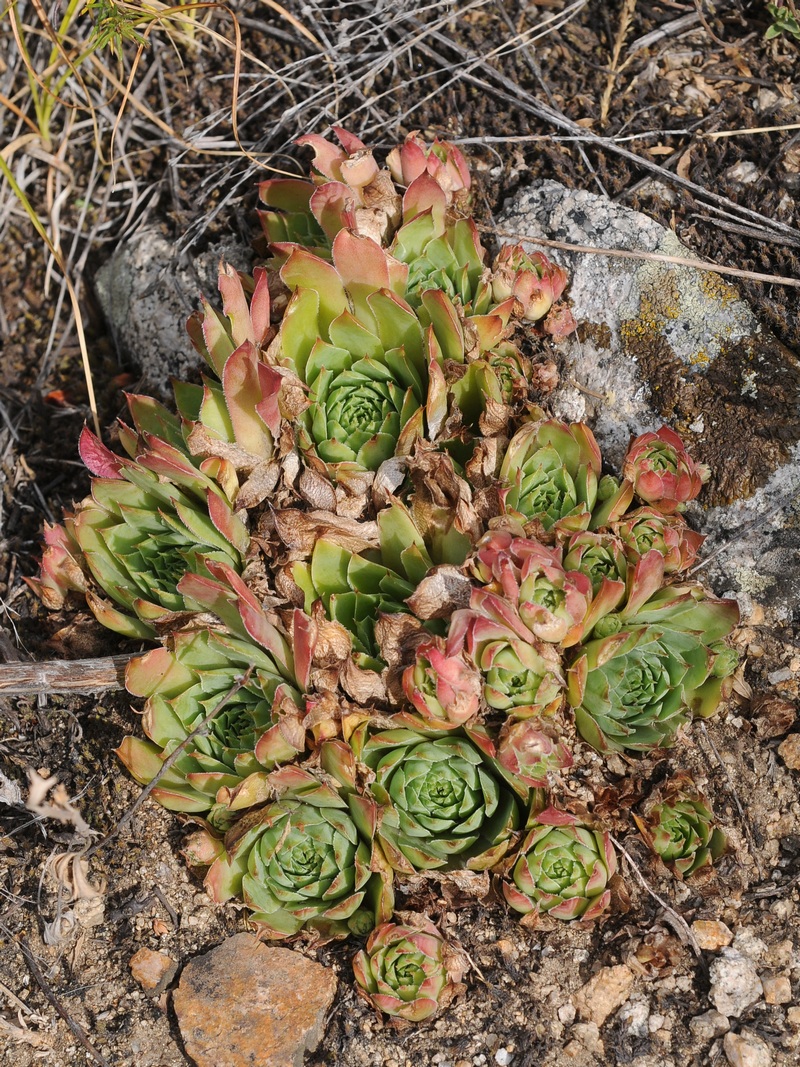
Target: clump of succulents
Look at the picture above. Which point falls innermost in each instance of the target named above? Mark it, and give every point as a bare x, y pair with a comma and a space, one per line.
385, 588
678, 825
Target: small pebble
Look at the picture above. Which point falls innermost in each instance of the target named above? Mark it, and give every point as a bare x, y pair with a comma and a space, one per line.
503, 1057
711, 935
777, 990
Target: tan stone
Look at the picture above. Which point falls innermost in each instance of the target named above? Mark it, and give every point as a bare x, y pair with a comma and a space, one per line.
789, 751
603, 993
152, 970
711, 935
244, 1003
777, 990
746, 1050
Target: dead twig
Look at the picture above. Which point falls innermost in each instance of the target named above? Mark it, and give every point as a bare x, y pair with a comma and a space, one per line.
659, 257
80, 676
75, 1027
676, 921
170, 762
732, 790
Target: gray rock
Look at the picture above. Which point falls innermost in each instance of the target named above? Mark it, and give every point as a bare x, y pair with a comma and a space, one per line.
735, 984
709, 1025
147, 293
664, 343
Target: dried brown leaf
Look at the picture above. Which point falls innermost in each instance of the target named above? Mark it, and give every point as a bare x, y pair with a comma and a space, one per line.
301, 530
440, 593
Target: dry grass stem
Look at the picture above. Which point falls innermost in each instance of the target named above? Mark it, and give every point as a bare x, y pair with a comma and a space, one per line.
659, 257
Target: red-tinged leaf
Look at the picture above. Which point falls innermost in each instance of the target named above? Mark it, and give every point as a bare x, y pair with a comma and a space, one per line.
349, 142
268, 408
218, 343
333, 207
156, 671
286, 194
107, 615
260, 306
446, 324
142, 758
645, 579
227, 522
425, 194
327, 156
234, 304
577, 677
100, 460
242, 385
304, 638
553, 817
305, 270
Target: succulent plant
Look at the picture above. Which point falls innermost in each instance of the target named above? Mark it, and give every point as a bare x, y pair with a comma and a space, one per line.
355, 588
147, 523
304, 861
563, 869
442, 802
408, 971
444, 691
224, 769
530, 278
662, 472
348, 190
366, 368
522, 675
680, 828
531, 752
550, 474
527, 575
356, 682
443, 161
634, 688
645, 529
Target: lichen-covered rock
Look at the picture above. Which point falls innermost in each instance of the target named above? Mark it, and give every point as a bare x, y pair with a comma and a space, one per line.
660, 342
147, 292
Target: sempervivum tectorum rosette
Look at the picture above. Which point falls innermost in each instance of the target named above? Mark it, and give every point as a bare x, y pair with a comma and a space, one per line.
522, 675
444, 691
356, 588
305, 861
662, 472
443, 802
550, 474
536, 284
645, 529
443, 161
408, 970
529, 576
531, 751
633, 689
365, 369
347, 190
223, 769
146, 524
563, 869
678, 825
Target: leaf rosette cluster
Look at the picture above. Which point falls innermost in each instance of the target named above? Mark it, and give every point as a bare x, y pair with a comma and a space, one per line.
391, 596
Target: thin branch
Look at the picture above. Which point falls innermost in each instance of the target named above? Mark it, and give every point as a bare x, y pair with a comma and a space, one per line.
681, 261
678, 923
78, 676
75, 1027
169, 762
732, 790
